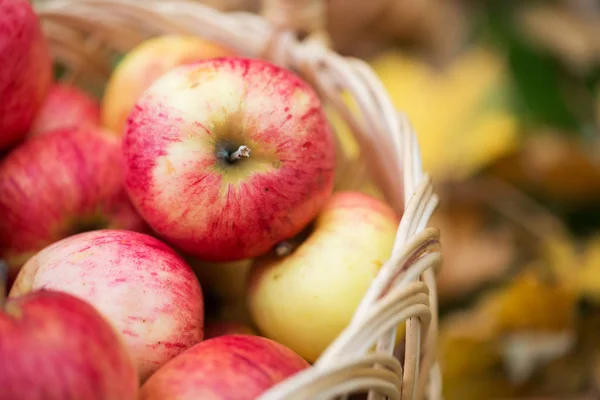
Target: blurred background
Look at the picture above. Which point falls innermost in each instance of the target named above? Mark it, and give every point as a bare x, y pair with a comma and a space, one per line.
505, 98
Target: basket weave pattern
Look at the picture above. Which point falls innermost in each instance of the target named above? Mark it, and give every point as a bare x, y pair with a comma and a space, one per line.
87, 35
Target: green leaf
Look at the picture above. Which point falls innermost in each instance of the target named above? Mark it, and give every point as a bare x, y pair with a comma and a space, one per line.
539, 78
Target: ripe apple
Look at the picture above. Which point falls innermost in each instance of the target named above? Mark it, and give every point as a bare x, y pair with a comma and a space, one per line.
55, 346
58, 184
232, 367
226, 157
305, 299
25, 72
66, 106
221, 328
139, 284
143, 65
227, 281
224, 286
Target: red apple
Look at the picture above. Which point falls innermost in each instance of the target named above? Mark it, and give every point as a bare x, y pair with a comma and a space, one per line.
232, 367
139, 284
54, 346
25, 70
59, 184
66, 106
221, 328
226, 157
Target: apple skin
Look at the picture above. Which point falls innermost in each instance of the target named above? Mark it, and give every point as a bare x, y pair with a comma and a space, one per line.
231, 367
224, 286
222, 328
58, 184
58, 347
305, 299
26, 71
139, 284
227, 280
143, 65
186, 125
66, 106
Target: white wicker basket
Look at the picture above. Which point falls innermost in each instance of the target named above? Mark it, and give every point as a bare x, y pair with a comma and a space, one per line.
85, 36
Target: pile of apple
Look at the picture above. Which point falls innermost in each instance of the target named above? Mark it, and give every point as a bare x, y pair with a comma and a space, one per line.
194, 156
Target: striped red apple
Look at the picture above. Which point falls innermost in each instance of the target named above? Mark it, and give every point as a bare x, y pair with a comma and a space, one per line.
58, 184
143, 288
66, 106
239, 367
25, 70
54, 346
226, 157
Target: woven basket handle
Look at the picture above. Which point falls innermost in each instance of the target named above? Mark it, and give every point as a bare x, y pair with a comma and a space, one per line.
306, 17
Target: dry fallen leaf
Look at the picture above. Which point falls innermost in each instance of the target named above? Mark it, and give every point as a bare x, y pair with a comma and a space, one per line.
598, 110
474, 254
469, 357
529, 312
360, 27
573, 36
554, 166
572, 376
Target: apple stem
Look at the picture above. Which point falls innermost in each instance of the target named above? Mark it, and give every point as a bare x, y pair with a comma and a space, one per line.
282, 249
241, 152
3, 282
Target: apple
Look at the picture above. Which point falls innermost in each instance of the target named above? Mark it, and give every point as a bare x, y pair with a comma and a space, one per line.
221, 328
139, 284
26, 71
141, 66
59, 184
306, 298
55, 346
227, 281
226, 157
66, 106
224, 286
232, 367
230, 311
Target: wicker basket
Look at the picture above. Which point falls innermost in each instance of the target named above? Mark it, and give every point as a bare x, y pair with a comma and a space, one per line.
86, 37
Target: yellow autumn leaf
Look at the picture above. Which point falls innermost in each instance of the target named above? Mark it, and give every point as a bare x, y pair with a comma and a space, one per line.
559, 253
587, 276
460, 122
579, 268
532, 301
467, 344
473, 343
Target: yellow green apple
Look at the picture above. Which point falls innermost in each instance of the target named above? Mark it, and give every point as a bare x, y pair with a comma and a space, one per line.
226, 280
306, 298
